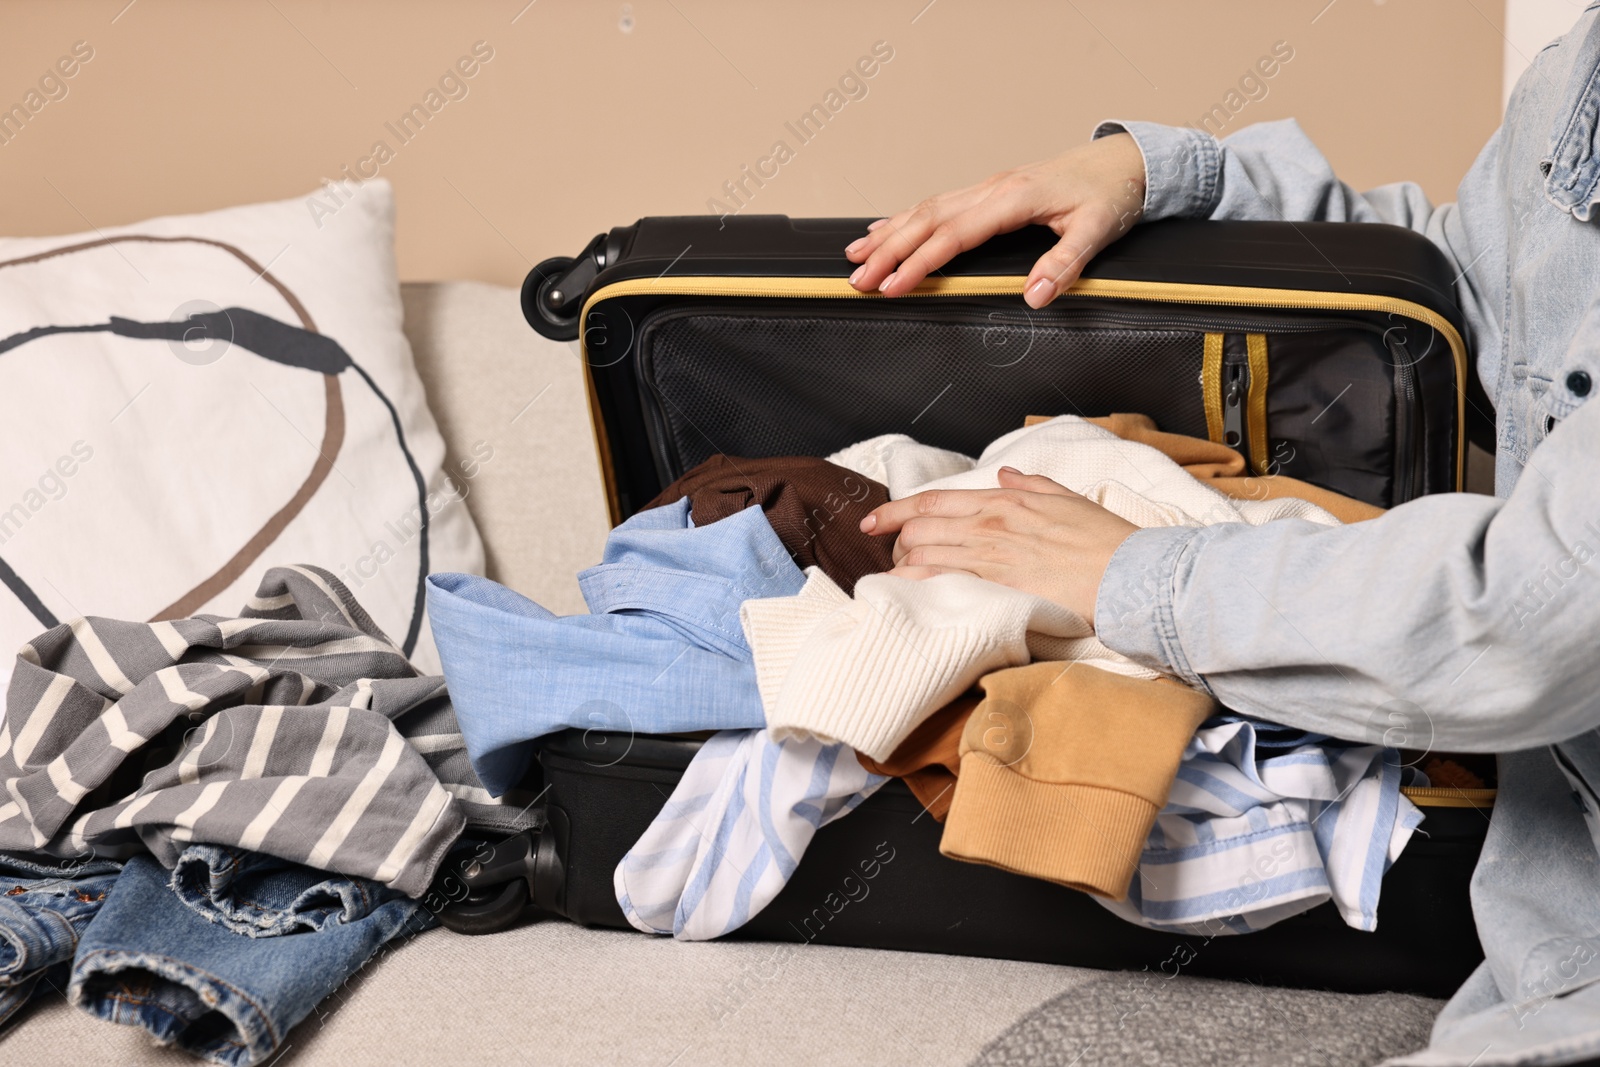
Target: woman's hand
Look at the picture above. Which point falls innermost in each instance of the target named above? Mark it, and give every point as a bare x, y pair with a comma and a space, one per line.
1089, 196
1031, 534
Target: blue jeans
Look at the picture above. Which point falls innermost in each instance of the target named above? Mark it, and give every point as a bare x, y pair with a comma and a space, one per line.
262, 896
44, 907
225, 955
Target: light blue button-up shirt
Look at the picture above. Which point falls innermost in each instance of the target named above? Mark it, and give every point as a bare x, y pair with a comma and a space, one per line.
1456, 622
662, 652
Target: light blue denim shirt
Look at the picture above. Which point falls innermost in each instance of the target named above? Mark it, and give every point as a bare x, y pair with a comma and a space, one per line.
1456, 622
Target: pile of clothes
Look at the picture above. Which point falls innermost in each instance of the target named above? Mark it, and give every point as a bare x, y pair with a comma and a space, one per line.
746, 600
209, 825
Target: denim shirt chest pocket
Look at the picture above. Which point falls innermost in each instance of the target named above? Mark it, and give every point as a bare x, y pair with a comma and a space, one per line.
1571, 168
1577, 377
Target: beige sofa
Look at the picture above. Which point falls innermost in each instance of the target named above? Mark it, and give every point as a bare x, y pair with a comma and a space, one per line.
554, 993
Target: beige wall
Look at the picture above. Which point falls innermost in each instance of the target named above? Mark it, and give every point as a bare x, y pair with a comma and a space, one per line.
592, 114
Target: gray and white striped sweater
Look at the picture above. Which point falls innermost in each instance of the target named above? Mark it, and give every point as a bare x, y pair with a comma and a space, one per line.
298, 730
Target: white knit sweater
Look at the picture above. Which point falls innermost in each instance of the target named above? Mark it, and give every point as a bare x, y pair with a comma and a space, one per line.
867, 671
1133, 480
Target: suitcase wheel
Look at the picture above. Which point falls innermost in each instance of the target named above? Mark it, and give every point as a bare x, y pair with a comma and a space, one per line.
486, 910
487, 889
548, 310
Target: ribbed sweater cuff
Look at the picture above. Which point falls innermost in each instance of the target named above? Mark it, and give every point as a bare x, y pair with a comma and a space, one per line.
871, 683
1082, 836
775, 630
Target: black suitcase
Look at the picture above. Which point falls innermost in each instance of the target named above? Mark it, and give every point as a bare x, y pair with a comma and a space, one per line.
1328, 352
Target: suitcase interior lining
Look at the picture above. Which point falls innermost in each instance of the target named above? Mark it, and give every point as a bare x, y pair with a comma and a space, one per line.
1296, 423
766, 381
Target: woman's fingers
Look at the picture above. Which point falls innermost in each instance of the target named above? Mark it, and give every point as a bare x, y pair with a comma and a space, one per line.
1084, 232
944, 558
858, 250
996, 213
1011, 478
935, 503
932, 525
1057, 269
884, 249
920, 572
900, 254
960, 503
932, 530
891, 244
1089, 195
1032, 534
862, 248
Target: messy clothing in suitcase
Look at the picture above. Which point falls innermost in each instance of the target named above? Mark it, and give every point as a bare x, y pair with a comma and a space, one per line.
1321, 354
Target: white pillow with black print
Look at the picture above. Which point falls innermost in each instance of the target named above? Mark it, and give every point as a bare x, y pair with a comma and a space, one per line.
188, 401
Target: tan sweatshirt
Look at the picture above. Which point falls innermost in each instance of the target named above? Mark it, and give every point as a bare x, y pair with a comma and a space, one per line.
1063, 769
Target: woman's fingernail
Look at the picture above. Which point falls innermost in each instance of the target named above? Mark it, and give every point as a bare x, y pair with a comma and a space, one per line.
855, 246
859, 271
884, 286
1040, 292
1011, 470
869, 524
874, 225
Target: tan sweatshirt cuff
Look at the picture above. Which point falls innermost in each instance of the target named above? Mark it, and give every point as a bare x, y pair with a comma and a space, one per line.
1080, 836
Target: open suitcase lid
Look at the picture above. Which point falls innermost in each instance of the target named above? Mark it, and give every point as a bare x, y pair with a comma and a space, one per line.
1386, 278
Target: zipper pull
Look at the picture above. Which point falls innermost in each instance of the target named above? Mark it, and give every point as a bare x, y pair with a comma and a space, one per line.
1235, 390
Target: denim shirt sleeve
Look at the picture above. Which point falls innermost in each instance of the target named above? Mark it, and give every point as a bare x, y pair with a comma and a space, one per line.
1270, 171
1465, 622
1273, 171
1265, 617
1182, 168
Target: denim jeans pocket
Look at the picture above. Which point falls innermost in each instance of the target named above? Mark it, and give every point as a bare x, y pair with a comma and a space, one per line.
41, 917
149, 960
258, 895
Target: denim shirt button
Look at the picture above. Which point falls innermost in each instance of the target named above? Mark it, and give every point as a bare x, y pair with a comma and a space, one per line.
1579, 383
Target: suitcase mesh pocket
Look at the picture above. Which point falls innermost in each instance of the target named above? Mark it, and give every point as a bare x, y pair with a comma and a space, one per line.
791, 384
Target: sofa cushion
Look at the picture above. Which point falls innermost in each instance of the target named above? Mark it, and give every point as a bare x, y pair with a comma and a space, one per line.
188, 401
513, 411
555, 993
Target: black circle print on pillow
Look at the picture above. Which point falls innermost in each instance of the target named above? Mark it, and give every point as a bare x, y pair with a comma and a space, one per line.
301, 347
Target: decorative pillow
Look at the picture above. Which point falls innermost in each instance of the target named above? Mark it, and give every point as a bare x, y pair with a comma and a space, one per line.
188, 401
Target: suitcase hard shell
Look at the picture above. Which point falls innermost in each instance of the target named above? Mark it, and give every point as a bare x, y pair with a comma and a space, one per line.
875, 879
1329, 352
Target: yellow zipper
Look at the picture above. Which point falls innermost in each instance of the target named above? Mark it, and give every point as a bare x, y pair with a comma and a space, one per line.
1253, 443
1211, 386
1439, 796
1255, 404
